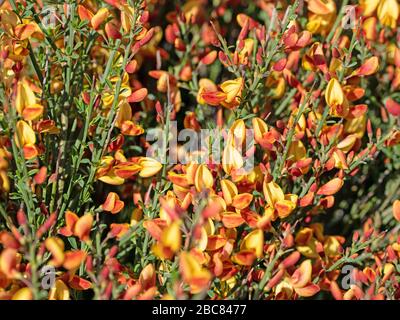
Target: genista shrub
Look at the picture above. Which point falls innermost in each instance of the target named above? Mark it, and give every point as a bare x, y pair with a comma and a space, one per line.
197, 149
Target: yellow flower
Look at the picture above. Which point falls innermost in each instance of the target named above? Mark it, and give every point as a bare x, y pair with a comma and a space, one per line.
59, 291
203, 178
233, 89
150, 167
388, 13
170, 241
25, 96
279, 204
322, 16
193, 273
334, 97
254, 241
246, 51
23, 294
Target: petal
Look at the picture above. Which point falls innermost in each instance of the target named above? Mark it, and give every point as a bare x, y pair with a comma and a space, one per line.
147, 278
272, 193
79, 283
127, 170
307, 291
56, 247
108, 205
331, 187
254, 241
229, 190
59, 292
8, 262
99, 18
232, 88
302, 275
242, 201
396, 210
203, 178
83, 226
138, 95
209, 58
244, 257
215, 242
369, 67
150, 167
23, 294
232, 219
260, 128
73, 259
393, 107
84, 14
171, 236
334, 93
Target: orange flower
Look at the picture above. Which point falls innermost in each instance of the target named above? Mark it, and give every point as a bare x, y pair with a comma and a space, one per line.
70, 260
107, 173
301, 280
170, 241
79, 227
206, 85
197, 277
322, 16
331, 187
252, 247
112, 203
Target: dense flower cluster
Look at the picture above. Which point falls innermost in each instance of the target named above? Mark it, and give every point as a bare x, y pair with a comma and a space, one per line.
91, 208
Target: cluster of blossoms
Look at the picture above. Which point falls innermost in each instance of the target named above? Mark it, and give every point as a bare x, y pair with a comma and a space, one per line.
91, 205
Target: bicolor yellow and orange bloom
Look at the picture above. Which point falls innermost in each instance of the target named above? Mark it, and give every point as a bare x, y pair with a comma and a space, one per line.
95, 19
18, 33
278, 204
335, 99
107, 173
252, 247
197, 277
124, 118
149, 167
228, 95
322, 16
70, 260
77, 226
233, 90
168, 240
387, 11
26, 102
113, 204
25, 138
287, 121
300, 280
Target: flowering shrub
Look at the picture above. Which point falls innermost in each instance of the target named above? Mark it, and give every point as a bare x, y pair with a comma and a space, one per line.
200, 149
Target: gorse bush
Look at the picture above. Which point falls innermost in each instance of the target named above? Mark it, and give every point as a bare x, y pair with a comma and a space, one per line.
223, 149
